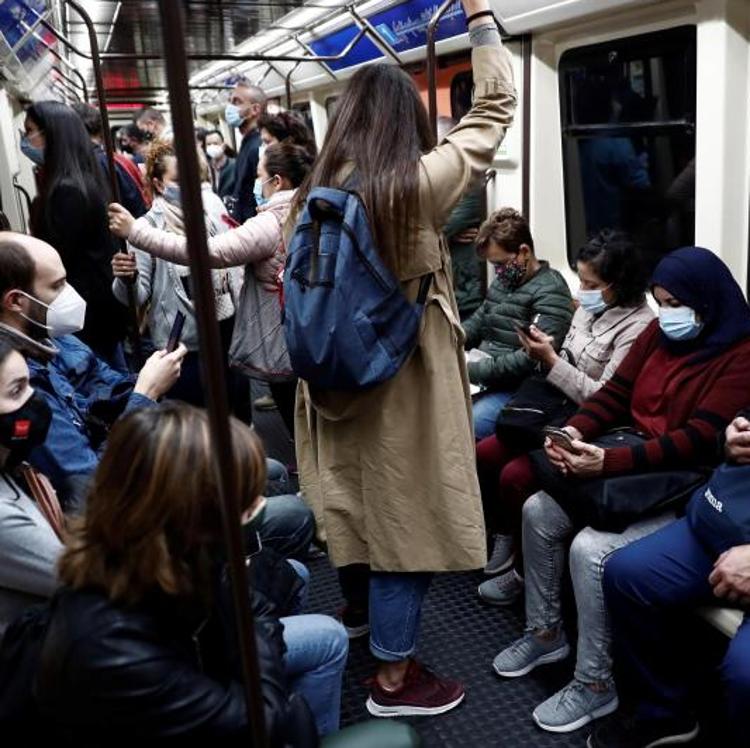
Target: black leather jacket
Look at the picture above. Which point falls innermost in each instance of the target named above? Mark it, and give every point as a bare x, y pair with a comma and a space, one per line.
111, 674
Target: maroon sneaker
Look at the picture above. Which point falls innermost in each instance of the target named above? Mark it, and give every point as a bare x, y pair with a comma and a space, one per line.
422, 693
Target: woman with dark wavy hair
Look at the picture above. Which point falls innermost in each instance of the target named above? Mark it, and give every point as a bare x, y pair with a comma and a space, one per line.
286, 127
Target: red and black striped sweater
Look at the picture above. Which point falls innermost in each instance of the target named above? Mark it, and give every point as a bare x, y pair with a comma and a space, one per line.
681, 406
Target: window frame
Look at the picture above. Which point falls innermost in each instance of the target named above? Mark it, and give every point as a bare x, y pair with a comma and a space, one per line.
682, 38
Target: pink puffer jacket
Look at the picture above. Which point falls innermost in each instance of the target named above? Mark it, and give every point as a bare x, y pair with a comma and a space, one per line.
257, 242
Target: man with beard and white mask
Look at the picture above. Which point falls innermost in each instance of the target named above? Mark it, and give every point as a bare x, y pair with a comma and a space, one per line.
39, 312
243, 111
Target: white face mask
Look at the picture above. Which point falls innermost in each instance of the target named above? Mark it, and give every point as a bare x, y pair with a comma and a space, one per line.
65, 315
215, 151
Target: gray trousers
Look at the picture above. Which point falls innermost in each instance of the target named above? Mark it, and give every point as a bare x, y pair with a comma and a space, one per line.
547, 529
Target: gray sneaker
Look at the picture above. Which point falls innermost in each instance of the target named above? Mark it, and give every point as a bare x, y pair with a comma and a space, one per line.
526, 653
502, 590
574, 706
502, 555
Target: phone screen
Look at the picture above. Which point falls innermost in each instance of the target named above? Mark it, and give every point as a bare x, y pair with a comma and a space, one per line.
176, 332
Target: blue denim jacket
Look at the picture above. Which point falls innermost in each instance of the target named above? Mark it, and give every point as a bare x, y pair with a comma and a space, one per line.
74, 382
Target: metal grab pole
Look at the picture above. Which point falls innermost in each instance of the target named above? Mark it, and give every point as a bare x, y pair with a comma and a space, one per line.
173, 34
99, 81
110, 151
432, 63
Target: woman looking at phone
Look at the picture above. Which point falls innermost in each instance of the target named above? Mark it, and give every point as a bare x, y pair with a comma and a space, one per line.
679, 386
612, 313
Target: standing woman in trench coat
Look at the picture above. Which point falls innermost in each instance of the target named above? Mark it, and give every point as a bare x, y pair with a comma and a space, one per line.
390, 472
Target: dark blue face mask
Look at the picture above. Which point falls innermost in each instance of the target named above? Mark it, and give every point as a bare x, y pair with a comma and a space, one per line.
32, 152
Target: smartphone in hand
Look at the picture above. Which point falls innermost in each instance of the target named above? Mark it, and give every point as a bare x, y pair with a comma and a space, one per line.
175, 333
526, 329
561, 438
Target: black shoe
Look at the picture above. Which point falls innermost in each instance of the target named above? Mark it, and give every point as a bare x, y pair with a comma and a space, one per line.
356, 621
632, 733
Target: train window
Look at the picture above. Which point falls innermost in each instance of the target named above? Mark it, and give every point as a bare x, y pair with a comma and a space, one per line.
628, 128
303, 109
462, 86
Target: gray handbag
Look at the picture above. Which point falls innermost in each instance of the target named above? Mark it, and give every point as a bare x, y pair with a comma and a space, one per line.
258, 346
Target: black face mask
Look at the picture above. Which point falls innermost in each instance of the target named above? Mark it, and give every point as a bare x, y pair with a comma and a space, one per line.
24, 429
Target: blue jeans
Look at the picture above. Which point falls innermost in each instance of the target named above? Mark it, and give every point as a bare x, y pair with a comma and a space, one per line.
277, 478
395, 610
288, 526
304, 574
486, 409
651, 587
316, 651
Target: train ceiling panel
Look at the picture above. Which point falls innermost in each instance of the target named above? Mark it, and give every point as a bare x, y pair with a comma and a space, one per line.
524, 16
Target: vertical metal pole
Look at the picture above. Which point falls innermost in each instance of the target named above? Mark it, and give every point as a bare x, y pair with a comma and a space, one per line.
102, 101
288, 81
173, 34
109, 147
432, 63
526, 124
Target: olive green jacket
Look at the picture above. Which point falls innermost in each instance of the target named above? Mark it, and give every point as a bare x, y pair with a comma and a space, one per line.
492, 328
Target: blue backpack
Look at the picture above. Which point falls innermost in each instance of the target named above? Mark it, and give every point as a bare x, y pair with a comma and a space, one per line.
347, 323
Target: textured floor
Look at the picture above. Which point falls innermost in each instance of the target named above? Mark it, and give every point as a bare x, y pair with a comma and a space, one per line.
459, 637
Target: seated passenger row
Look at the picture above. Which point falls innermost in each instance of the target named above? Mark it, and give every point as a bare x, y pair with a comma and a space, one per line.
640, 431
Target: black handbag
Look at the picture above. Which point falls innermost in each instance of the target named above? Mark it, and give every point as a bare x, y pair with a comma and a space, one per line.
613, 503
536, 404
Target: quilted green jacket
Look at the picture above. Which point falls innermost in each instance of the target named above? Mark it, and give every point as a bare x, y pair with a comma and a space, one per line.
492, 327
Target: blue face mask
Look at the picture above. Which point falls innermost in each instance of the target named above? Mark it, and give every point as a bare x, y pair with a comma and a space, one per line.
32, 152
233, 116
592, 301
260, 199
679, 323
172, 193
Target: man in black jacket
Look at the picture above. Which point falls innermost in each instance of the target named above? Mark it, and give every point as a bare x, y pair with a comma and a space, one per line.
245, 107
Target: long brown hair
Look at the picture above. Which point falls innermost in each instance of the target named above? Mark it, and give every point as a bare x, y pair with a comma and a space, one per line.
380, 127
153, 518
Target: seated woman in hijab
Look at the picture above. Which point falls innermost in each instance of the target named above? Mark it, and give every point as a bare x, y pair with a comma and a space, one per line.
680, 385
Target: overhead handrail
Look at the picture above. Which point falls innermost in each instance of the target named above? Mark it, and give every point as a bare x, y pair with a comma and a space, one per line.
362, 22
207, 57
288, 85
71, 83
20, 188
173, 34
81, 80
63, 87
432, 63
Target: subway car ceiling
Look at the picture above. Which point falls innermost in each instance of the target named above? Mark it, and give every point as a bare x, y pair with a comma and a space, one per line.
697, 83
37, 59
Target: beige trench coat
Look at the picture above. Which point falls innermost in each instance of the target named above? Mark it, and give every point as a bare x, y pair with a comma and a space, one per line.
390, 473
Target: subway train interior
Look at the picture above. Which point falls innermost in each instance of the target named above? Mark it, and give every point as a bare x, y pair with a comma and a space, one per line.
630, 115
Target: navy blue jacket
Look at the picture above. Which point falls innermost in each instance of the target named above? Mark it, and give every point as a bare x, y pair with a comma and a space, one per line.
246, 171
82, 391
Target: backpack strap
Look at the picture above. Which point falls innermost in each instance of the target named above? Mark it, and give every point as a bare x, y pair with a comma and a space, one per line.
424, 287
